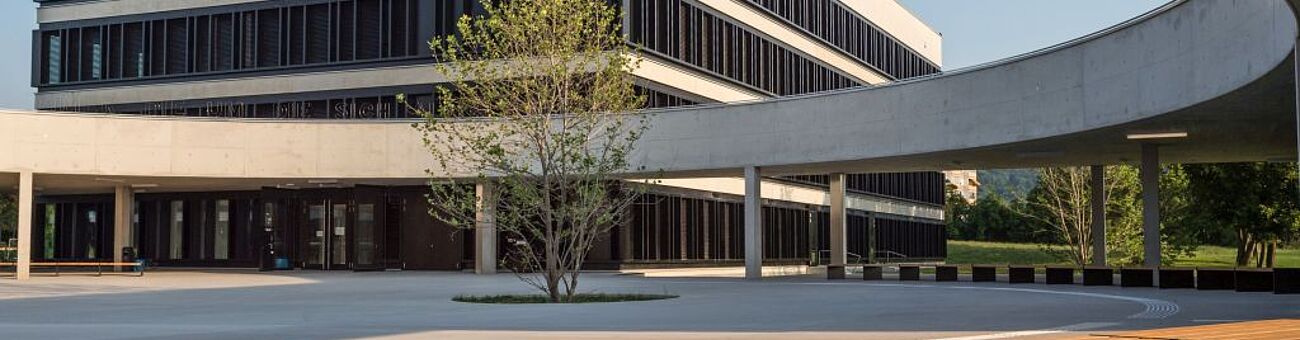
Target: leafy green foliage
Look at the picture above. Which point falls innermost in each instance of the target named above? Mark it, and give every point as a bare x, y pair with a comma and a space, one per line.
991, 218
1253, 204
1008, 183
1058, 210
534, 108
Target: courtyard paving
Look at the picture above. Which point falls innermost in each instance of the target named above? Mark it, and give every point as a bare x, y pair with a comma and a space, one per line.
311, 304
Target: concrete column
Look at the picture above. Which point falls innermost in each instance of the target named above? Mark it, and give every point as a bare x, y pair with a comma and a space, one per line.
1099, 215
123, 233
485, 229
871, 238
25, 198
839, 247
1151, 205
753, 224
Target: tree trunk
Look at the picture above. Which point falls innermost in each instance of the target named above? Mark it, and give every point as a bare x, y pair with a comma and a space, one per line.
1244, 248
1272, 248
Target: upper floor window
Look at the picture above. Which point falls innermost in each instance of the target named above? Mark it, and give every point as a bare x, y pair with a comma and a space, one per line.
333, 32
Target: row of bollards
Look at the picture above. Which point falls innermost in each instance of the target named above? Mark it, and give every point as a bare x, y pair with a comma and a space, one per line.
1276, 280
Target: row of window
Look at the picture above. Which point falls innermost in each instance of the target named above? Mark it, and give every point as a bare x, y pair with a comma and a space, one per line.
346, 107
334, 32
917, 186
168, 230
197, 230
73, 230
842, 27
682, 31
666, 228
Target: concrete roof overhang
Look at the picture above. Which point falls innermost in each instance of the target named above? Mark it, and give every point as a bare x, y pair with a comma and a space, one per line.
1221, 71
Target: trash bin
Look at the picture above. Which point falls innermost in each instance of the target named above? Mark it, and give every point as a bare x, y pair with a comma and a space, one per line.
282, 263
128, 256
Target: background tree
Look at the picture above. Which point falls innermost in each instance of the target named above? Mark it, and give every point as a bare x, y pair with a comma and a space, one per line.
1124, 216
1255, 203
533, 105
991, 218
1062, 203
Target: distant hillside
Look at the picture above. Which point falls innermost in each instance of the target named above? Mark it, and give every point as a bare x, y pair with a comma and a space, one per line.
1007, 183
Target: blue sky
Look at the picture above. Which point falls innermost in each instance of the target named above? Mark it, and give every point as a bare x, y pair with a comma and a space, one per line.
974, 31
978, 31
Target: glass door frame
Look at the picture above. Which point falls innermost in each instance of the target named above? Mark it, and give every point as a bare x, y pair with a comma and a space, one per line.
334, 229
376, 198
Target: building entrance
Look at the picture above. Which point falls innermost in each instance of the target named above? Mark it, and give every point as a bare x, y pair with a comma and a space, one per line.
326, 234
347, 229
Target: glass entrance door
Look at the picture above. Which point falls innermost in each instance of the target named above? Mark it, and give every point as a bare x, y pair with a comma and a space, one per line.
326, 235
369, 242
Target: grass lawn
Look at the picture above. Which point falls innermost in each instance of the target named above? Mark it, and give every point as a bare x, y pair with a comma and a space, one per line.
974, 252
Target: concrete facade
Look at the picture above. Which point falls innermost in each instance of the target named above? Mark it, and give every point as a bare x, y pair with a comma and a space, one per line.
1173, 76
1216, 70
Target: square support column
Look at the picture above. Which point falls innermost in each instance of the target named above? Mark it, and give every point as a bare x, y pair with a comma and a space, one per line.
26, 195
839, 246
485, 229
1150, 173
753, 223
123, 216
1099, 215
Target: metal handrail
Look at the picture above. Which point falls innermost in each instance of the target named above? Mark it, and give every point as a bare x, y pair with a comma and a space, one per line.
860, 258
890, 256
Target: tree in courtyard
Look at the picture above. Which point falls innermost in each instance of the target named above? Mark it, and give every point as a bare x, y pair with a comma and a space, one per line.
1255, 201
533, 104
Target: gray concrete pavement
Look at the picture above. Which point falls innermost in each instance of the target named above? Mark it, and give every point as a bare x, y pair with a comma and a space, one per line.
306, 304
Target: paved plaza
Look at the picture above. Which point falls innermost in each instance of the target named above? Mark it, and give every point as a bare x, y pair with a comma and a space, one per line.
311, 304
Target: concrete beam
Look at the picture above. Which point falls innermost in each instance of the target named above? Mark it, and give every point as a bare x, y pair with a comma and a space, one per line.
1151, 205
485, 229
25, 198
123, 216
1099, 215
839, 223
753, 223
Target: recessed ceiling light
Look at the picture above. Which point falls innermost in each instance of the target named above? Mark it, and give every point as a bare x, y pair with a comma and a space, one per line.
1156, 135
322, 181
144, 185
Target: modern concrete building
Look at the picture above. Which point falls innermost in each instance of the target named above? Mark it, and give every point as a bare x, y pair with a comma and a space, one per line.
311, 78
1192, 81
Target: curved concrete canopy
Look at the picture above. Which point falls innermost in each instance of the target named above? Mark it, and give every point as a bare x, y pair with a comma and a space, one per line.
1218, 70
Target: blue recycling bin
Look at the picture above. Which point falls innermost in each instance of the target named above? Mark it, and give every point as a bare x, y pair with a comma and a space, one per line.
281, 263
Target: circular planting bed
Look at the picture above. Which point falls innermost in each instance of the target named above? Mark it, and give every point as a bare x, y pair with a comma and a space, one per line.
579, 298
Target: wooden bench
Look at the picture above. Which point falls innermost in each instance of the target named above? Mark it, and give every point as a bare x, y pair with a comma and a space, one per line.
99, 266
